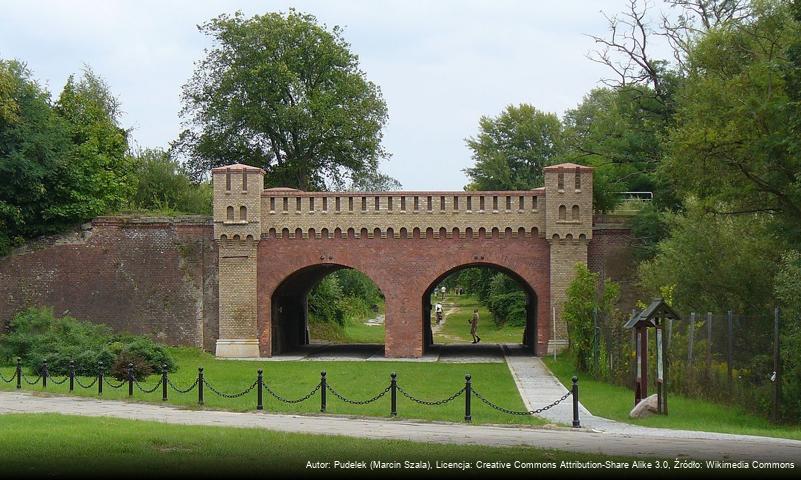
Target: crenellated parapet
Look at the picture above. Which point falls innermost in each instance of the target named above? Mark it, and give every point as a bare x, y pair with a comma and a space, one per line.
296, 214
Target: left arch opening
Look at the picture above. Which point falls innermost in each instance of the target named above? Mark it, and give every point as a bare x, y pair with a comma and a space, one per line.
327, 304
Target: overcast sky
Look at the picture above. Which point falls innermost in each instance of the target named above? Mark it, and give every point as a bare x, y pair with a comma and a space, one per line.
440, 64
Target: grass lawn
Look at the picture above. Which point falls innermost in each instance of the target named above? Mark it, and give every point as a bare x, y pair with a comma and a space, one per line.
457, 326
355, 380
69, 445
615, 402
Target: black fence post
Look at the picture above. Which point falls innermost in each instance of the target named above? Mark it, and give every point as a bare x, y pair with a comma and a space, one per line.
468, 392
100, 378
19, 373
72, 375
44, 374
130, 379
393, 391
164, 383
777, 365
259, 386
575, 394
200, 385
323, 387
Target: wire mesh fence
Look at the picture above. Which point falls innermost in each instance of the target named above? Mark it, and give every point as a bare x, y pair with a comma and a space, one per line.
725, 356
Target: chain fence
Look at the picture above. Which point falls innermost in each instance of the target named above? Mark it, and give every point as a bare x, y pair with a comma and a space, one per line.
230, 395
283, 399
428, 402
320, 389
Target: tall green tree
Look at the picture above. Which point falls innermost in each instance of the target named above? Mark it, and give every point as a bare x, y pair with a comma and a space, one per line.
511, 150
62, 163
284, 93
734, 145
98, 175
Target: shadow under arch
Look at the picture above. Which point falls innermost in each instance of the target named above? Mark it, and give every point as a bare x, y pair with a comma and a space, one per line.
290, 307
529, 337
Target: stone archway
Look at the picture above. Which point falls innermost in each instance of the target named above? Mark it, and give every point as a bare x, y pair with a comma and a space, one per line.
403, 241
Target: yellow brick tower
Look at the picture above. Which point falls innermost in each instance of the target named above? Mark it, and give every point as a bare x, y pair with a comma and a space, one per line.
237, 229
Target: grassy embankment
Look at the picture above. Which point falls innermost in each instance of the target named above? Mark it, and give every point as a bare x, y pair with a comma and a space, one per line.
615, 402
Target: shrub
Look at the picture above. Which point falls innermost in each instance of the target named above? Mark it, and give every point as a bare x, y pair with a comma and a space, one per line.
36, 336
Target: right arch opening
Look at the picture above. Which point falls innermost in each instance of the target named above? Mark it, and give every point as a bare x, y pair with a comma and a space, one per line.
505, 303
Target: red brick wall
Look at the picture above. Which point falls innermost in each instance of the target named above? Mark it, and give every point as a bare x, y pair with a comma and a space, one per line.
152, 276
610, 253
403, 269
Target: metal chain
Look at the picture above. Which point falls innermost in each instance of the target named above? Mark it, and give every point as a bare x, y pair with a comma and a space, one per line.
517, 412
147, 390
10, 379
357, 402
191, 387
119, 385
24, 377
230, 395
297, 400
57, 382
78, 381
426, 402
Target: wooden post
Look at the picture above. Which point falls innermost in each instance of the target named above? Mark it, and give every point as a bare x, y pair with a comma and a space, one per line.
659, 341
777, 365
691, 342
709, 345
637, 366
729, 348
644, 358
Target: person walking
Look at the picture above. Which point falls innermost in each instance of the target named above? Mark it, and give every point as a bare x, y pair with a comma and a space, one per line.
438, 310
474, 326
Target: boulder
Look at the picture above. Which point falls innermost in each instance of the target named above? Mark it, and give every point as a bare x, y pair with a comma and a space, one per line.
646, 407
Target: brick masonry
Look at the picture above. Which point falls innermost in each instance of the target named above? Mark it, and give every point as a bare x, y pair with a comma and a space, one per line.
238, 283
153, 276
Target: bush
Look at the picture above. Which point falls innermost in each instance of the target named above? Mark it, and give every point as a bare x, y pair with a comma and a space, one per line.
36, 336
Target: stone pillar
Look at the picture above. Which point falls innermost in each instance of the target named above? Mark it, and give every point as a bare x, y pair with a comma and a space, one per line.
568, 229
237, 229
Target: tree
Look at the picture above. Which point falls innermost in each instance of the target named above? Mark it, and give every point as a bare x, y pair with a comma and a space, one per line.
715, 262
98, 175
373, 181
620, 133
163, 184
33, 143
284, 93
62, 163
511, 150
584, 303
734, 144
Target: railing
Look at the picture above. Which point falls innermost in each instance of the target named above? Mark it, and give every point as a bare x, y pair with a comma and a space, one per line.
322, 388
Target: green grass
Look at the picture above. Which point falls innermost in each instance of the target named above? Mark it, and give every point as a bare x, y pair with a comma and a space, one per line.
355, 380
615, 402
457, 326
42, 444
355, 330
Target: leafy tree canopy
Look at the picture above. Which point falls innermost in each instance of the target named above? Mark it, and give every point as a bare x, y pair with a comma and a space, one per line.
284, 93
511, 150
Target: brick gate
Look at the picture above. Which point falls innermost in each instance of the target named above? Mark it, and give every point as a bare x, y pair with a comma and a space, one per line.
275, 244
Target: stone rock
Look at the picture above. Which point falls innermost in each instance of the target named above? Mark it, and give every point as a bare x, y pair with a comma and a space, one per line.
646, 407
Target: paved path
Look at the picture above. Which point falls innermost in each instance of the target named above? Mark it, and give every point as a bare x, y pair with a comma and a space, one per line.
755, 448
